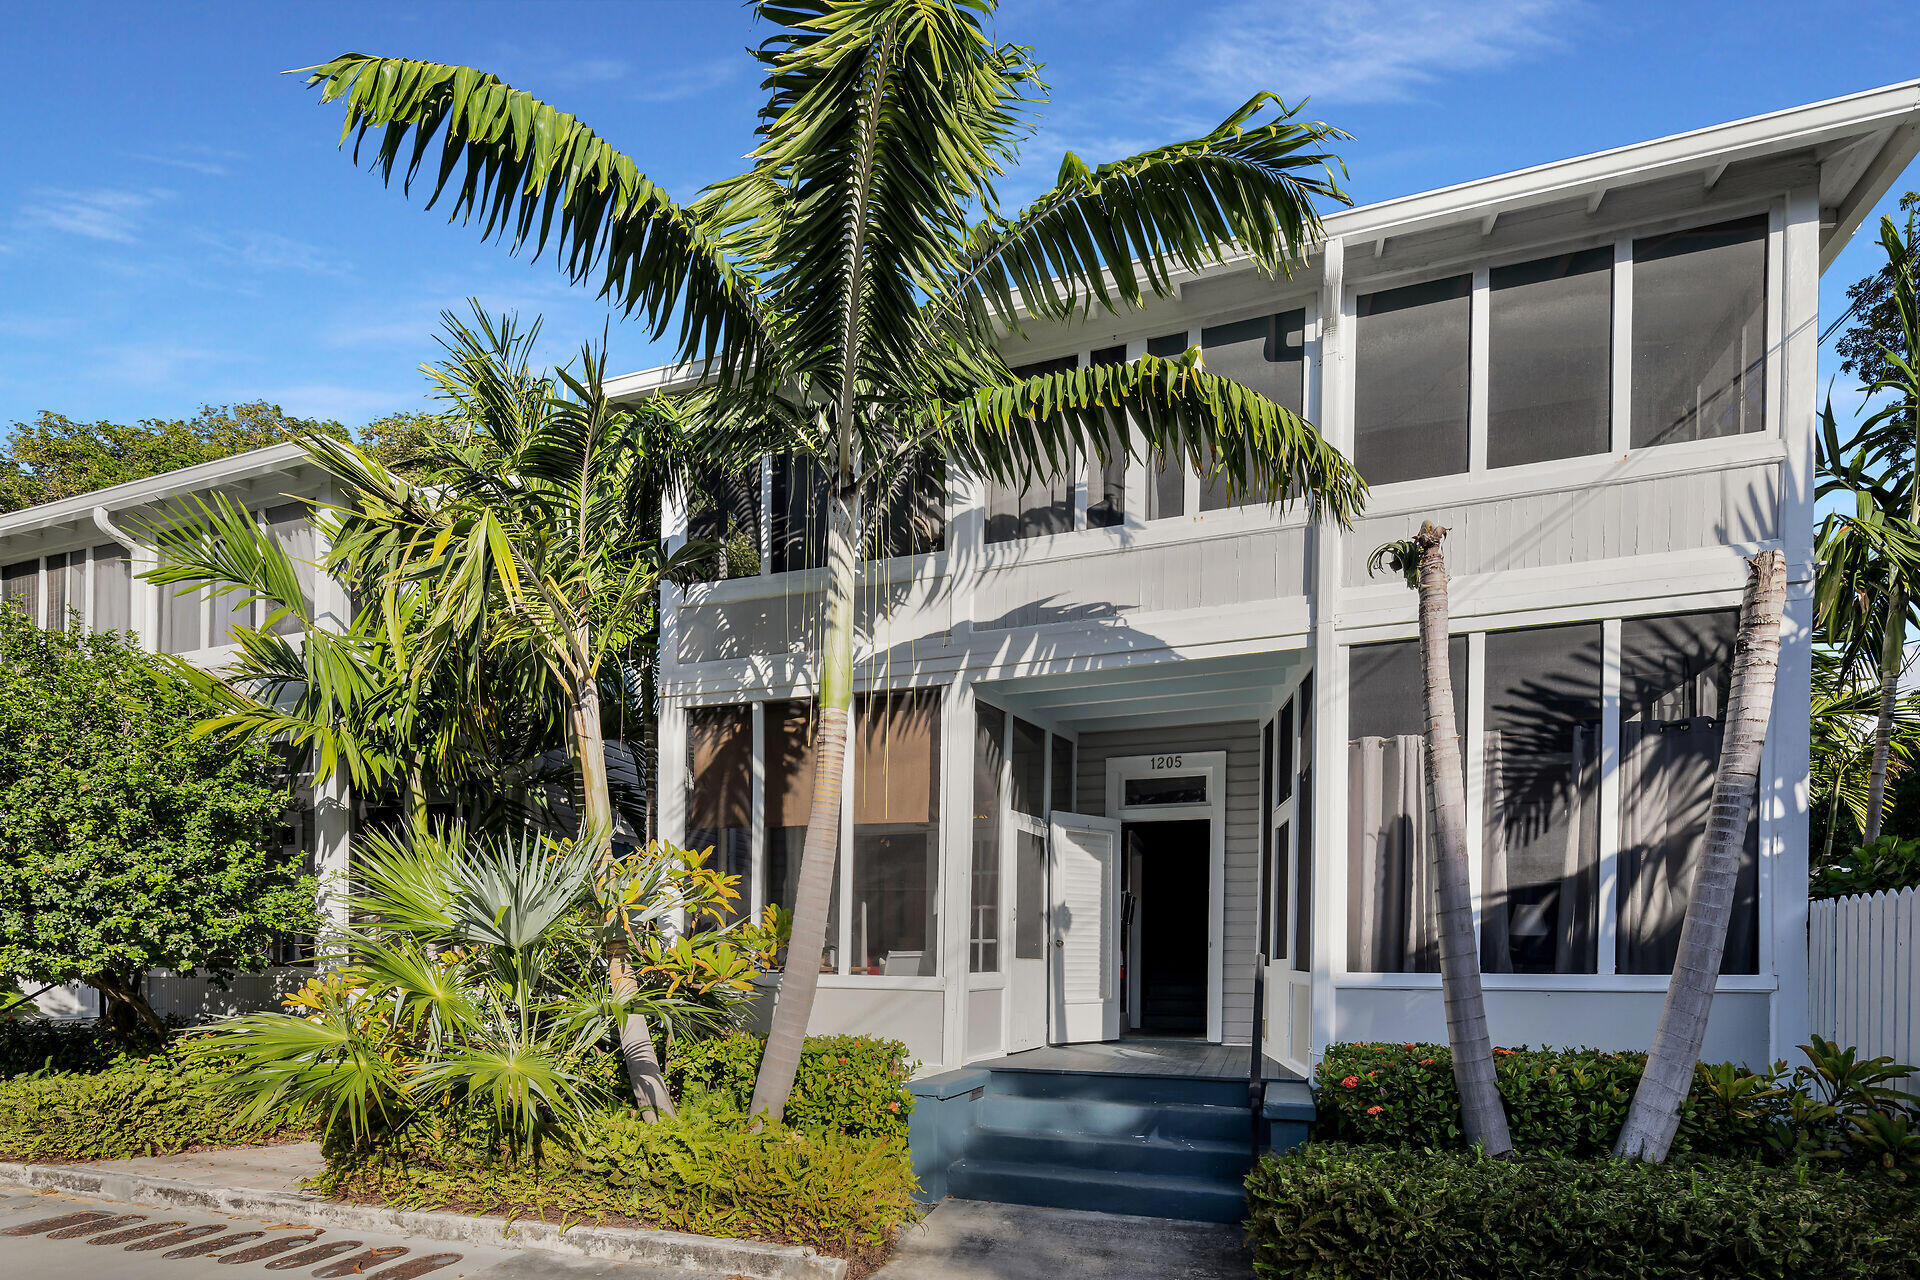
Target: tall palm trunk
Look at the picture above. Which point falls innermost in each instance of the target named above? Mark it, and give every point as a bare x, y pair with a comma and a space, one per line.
1892, 650
596, 824
807, 947
1482, 1114
1655, 1114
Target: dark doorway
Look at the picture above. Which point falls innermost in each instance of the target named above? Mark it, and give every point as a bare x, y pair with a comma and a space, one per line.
1167, 874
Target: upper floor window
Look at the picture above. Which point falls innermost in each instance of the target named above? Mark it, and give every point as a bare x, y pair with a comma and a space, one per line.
904, 515
1549, 358
724, 510
1411, 348
1107, 478
1167, 486
200, 618
1700, 333
1265, 354
90, 587
1042, 506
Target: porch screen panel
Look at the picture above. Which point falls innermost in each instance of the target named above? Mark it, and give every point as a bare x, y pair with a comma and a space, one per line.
20, 587
292, 527
1549, 358
798, 536
112, 589
909, 516
790, 779
1029, 769
1700, 333
723, 509
1390, 890
183, 617
1107, 478
1541, 852
1061, 800
1674, 678
56, 589
1270, 875
1167, 475
896, 834
989, 753
1282, 788
719, 785
1410, 381
1029, 896
1303, 834
1266, 354
1042, 506
78, 608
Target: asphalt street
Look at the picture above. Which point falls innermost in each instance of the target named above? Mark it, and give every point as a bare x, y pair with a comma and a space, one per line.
64, 1237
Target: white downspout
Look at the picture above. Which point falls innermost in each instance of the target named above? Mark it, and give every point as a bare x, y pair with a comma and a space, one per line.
143, 603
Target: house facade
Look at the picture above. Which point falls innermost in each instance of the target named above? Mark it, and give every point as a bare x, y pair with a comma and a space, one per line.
1139, 756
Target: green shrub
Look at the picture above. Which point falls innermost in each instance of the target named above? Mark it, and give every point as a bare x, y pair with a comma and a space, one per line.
28, 1045
856, 1085
1335, 1212
1889, 864
701, 1172
153, 1106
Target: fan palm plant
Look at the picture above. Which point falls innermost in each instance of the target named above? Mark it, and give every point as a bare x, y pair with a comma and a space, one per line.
844, 297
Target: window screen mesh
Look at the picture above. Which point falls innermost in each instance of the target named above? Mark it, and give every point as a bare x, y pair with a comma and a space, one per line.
1700, 333
1549, 353
1410, 381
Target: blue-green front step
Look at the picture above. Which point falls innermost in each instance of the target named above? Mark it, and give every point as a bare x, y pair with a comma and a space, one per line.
1163, 1146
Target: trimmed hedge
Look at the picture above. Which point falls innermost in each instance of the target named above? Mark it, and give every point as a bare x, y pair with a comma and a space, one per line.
154, 1106
1336, 1212
855, 1085
702, 1171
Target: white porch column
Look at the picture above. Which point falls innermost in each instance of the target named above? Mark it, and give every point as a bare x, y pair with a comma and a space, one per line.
956, 865
1331, 408
332, 799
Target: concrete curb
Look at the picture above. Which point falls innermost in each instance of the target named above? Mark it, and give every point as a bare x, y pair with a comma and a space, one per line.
748, 1258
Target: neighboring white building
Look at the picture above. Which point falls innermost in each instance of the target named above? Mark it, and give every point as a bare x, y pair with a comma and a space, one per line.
1129, 750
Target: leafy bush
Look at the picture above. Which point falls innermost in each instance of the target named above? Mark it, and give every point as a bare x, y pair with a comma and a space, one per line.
856, 1085
702, 1171
1332, 1210
28, 1045
1889, 863
1572, 1102
152, 1106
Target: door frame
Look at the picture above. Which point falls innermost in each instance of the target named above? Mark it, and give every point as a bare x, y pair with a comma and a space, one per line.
1212, 765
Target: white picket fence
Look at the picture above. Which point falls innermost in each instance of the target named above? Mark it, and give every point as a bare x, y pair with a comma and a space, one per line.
1863, 971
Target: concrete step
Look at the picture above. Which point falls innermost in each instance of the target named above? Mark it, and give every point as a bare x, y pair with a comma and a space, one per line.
1101, 1117
1208, 1158
1194, 1090
1058, 1187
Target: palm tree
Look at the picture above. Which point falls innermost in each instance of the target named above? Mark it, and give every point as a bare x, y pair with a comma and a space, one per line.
1482, 1114
1870, 560
843, 298
1844, 710
1654, 1117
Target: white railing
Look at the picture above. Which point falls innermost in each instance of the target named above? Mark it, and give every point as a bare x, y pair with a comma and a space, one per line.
1863, 971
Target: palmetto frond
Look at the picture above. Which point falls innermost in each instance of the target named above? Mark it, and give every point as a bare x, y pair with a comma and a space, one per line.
531, 174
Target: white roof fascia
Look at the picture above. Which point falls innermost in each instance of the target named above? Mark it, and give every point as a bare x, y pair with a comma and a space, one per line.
240, 467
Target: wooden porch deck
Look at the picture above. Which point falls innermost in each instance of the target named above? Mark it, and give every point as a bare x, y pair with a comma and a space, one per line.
1140, 1056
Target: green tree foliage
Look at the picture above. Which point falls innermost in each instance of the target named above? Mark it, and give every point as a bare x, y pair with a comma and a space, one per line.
55, 457
125, 843
1876, 328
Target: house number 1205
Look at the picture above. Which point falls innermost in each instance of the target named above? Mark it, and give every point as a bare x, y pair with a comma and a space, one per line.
1166, 762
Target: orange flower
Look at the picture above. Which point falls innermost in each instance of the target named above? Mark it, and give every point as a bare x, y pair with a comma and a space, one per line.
1374, 1111
893, 1106
1350, 1082
1426, 1062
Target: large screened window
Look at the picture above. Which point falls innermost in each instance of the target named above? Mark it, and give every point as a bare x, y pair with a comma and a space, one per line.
1674, 677
1549, 358
723, 513
1166, 474
789, 797
1107, 477
1029, 772
893, 927
202, 617
989, 756
1390, 889
719, 791
1540, 851
1700, 333
1411, 347
910, 512
1267, 354
20, 587
1044, 505
798, 523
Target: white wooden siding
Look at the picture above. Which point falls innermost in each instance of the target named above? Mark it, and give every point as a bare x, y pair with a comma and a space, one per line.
1241, 742
1863, 974
1257, 564
1649, 516
779, 615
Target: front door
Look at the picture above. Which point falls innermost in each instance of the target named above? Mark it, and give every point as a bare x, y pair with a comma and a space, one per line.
1084, 876
1027, 976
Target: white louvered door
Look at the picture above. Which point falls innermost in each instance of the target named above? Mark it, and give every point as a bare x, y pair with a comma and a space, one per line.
1084, 876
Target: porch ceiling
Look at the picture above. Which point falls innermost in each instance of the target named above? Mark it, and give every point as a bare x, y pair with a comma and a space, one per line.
1173, 691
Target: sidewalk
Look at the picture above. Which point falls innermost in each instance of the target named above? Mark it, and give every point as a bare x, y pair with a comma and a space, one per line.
972, 1240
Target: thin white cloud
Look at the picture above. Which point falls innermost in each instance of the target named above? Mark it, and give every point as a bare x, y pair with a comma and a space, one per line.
354, 405
102, 214
1363, 51
690, 81
212, 162
257, 250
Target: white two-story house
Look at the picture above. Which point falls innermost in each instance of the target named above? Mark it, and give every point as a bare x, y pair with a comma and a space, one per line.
1129, 752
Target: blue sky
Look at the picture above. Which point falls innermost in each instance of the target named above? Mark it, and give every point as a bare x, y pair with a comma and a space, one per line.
179, 228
